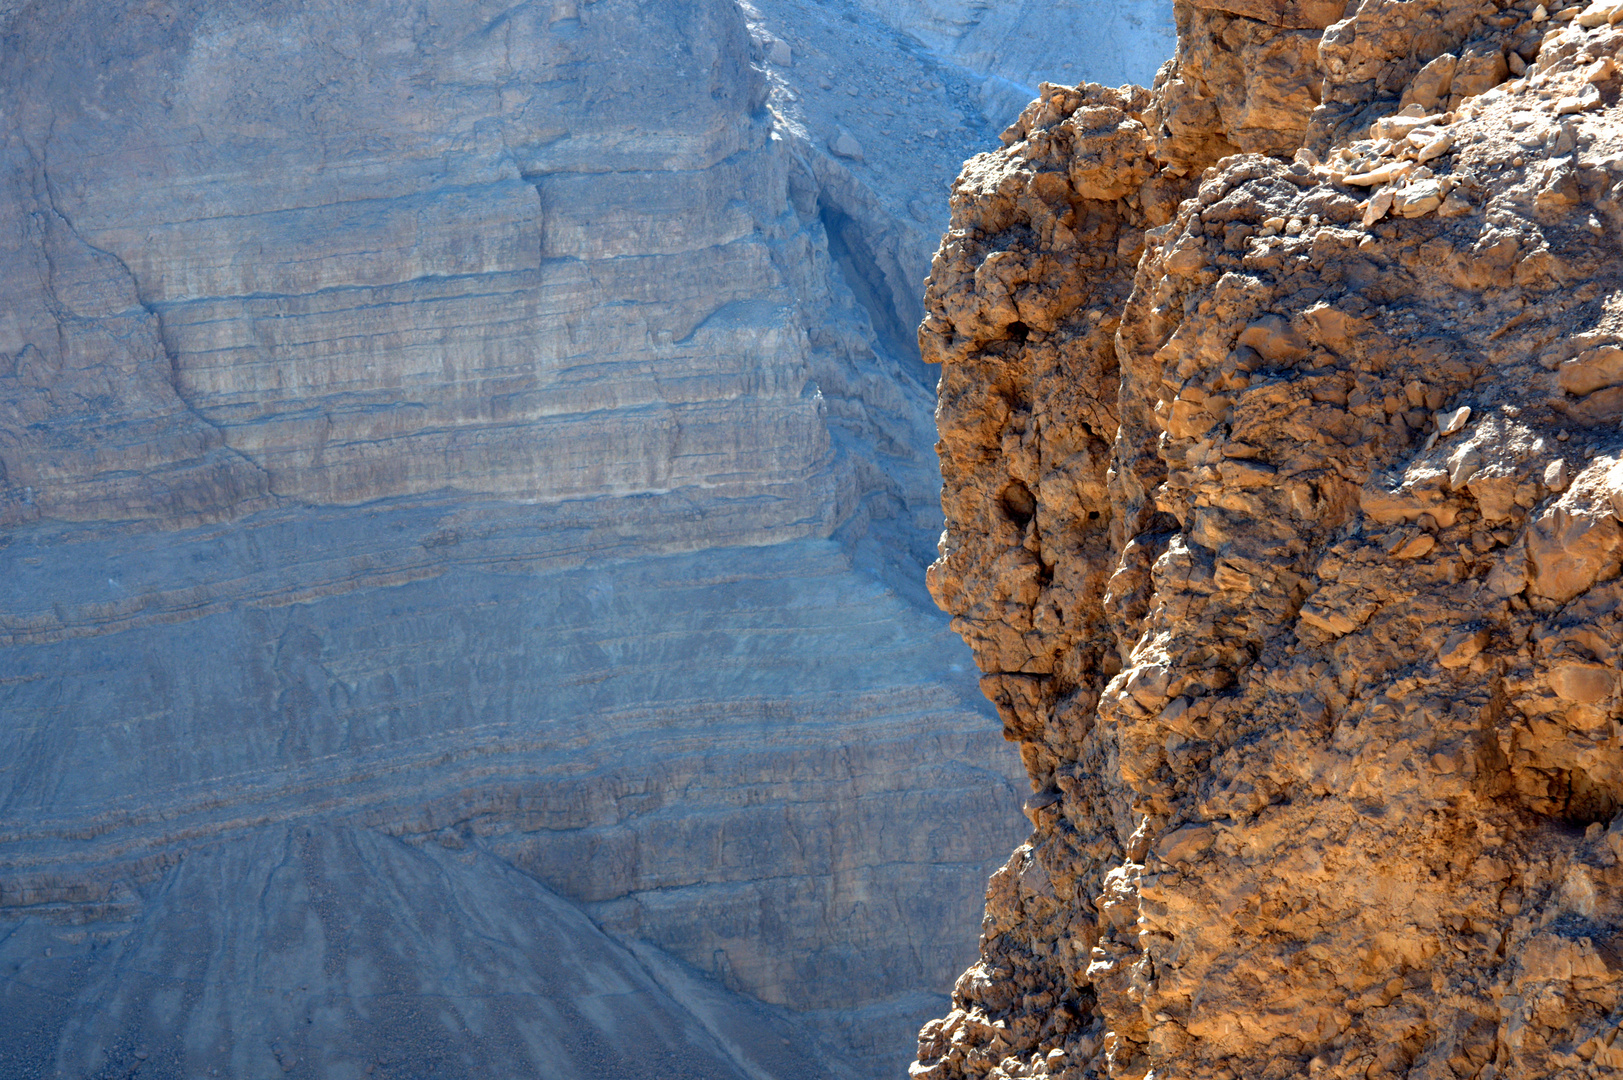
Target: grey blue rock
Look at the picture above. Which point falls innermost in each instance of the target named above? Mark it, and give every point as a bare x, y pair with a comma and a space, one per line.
465, 481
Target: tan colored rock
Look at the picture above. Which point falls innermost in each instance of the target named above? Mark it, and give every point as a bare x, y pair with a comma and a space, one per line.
1435, 147
1594, 369
1598, 13
1274, 340
1582, 683
1333, 697
1186, 844
1572, 545
1432, 83
1481, 67
1419, 198
1462, 647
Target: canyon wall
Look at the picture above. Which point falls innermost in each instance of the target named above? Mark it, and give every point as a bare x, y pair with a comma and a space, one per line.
1279, 431
465, 486
1026, 43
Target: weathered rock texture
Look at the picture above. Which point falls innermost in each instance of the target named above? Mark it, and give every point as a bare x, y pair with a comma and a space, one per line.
1282, 505
465, 482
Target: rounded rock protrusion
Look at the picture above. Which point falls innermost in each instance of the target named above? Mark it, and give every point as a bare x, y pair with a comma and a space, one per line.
845, 146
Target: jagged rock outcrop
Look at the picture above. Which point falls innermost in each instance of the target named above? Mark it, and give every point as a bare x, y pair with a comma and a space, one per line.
1279, 430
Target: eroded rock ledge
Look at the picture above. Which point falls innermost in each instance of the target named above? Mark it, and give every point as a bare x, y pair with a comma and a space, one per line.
1279, 422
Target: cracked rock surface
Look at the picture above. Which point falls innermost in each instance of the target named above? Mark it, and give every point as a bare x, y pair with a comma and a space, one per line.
1279, 419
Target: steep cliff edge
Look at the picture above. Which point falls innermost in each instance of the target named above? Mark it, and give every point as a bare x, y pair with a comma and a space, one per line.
1279, 430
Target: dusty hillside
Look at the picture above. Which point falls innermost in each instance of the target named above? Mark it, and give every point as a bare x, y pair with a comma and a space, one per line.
1279, 427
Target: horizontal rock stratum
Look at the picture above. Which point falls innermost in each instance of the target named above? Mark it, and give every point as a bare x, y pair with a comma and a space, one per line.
462, 528
1279, 418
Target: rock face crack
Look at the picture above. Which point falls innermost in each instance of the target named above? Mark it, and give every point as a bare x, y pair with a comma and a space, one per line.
1278, 418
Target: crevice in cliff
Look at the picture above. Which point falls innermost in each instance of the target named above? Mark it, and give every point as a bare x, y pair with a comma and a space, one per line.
238, 483
857, 261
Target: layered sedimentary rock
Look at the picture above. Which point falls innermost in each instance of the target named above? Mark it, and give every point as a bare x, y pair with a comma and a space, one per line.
1018, 45
1279, 413
464, 486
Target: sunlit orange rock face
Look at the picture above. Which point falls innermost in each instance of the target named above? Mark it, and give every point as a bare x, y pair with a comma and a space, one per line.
1279, 420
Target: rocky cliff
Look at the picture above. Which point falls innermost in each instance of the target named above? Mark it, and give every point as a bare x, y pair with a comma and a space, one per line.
464, 483
1279, 430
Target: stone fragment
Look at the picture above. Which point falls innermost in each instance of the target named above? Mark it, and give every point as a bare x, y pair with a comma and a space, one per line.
1147, 683
1495, 495
1419, 198
1586, 99
1508, 575
1328, 619
1415, 546
1463, 646
1334, 327
1185, 844
1422, 491
1436, 147
1189, 419
1036, 803
1597, 407
1599, 13
1382, 175
781, 54
1463, 465
1584, 683
1481, 67
1379, 204
844, 145
1400, 125
1187, 256
1609, 485
1591, 370
1456, 205
1274, 340
1240, 473
1452, 421
1569, 548
1431, 83
1229, 577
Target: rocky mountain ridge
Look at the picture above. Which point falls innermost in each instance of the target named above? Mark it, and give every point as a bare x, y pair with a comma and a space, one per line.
1279, 432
